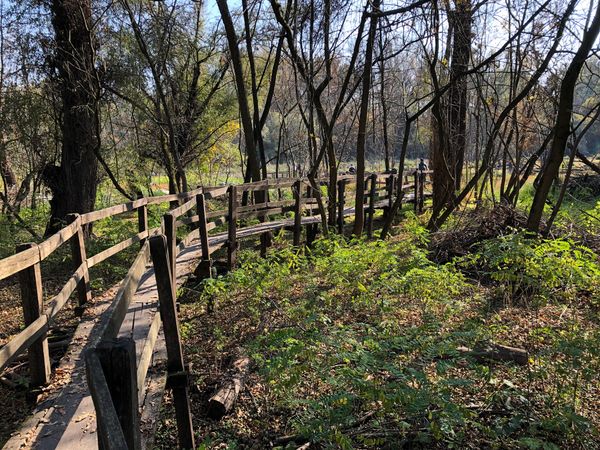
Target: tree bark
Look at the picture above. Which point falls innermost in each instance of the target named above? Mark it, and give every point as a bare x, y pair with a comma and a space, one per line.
359, 217
450, 156
562, 127
74, 183
253, 169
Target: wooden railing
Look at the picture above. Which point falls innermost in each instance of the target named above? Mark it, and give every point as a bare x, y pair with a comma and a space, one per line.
115, 378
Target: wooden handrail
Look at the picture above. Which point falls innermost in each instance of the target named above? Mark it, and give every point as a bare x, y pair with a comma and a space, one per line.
30, 256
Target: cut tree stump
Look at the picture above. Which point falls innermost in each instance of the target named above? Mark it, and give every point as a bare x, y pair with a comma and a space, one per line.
222, 402
497, 352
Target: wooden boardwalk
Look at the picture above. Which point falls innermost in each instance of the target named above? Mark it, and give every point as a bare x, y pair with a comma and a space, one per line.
66, 417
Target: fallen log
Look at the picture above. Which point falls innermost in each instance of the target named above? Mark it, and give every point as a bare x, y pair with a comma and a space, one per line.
222, 402
496, 352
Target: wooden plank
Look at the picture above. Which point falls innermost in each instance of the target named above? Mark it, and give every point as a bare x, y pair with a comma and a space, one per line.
254, 207
117, 358
181, 210
216, 223
17, 345
261, 213
112, 211
219, 213
120, 305
173, 197
32, 299
211, 193
105, 254
146, 355
59, 301
58, 238
22, 260
254, 186
109, 430
188, 239
187, 221
165, 282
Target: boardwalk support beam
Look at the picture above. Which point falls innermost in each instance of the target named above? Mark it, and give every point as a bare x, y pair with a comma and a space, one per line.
84, 292
372, 194
232, 244
297, 212
177, 373
142, 221
204, 269
170, 230
117, 358
341, 200
30, 280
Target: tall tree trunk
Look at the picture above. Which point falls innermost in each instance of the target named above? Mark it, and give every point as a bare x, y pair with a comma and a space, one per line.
449, 152
461, 53
75, 181
359, 216
253, 169
562, 127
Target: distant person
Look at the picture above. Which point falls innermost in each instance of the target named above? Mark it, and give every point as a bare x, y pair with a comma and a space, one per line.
422, 166
352, 170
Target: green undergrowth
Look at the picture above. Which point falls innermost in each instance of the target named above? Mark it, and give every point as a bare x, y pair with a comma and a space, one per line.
361, 344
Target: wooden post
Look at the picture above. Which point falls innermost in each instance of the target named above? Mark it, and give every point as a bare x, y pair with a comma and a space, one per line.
341, 200
232, 244
266, 241
108, 427
117, 358
170, 230
421, 193
142, 212
309, 196
84, 292
30, 280
389, 195
372, 194
178, 376
416, 191
297, 190
205, 267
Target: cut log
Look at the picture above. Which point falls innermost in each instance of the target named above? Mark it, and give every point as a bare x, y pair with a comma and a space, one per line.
222, 402
497, 352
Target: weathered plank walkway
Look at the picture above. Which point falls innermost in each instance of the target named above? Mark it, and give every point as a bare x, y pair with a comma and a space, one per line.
66, 419
67, 415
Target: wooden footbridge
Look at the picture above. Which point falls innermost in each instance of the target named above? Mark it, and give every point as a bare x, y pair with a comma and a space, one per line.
107, 389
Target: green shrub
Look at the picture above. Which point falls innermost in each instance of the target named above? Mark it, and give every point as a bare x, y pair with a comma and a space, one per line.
537, 269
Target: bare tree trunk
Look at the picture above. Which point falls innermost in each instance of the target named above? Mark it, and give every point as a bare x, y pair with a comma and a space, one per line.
450, 155
359, 216
252, 169
562, 127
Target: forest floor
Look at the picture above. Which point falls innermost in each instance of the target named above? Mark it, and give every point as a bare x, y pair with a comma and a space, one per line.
363, 344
